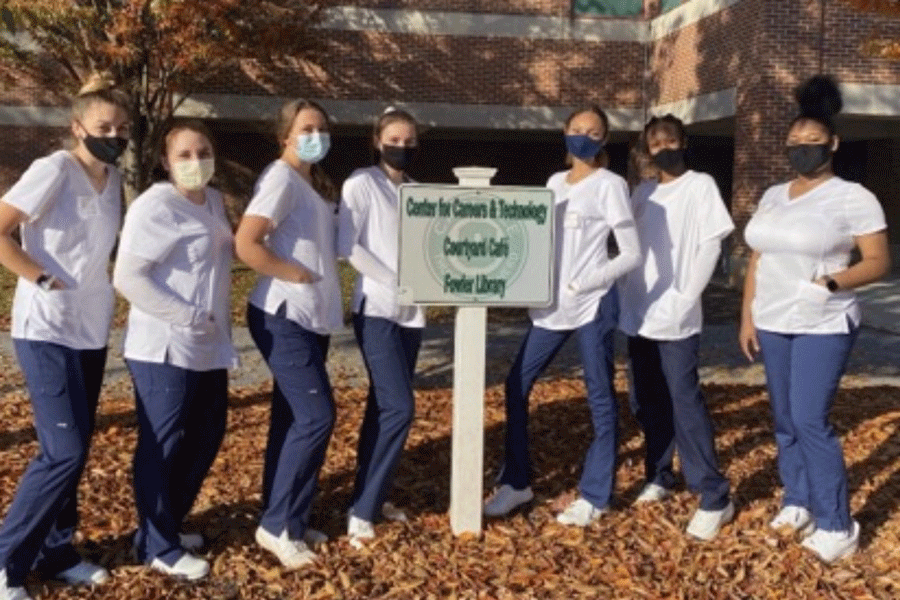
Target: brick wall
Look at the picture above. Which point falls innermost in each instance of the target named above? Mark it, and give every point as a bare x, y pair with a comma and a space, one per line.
21, 145
461, 70
529, 7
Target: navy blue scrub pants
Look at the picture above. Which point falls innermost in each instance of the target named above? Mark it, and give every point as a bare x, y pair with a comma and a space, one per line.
64, 386
389, 352
182, 416
802, 374
302, 419
596, 344
667, 402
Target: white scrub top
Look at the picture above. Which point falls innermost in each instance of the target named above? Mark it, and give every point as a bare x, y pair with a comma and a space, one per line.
191, 247
673, 220
70, 231
586, 212
304, 231
370, 217
800, 240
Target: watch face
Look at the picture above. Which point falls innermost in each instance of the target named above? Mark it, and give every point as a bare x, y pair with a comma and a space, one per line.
832, 285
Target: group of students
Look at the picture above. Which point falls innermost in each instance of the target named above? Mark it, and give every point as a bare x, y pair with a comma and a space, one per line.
173, 265
798, 310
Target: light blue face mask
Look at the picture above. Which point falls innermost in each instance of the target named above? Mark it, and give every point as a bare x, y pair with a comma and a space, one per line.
312, 147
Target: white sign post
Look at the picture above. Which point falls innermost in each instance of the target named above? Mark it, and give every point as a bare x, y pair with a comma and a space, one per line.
473, 246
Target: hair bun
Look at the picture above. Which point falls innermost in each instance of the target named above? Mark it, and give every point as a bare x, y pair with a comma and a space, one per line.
97, 82
819, 97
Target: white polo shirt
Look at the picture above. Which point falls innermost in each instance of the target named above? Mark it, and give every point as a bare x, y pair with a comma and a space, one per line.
586, 212
370, 217
191, 247
70, 231
304, 231
800, 240
673, 220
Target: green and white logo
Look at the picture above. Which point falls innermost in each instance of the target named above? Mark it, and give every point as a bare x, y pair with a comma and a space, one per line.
474, 257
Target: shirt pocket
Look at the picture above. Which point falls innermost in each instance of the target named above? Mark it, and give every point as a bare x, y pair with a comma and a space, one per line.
53, 311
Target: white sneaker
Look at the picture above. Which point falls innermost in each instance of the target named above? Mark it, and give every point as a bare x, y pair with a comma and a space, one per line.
192, 542
705, 524
832, 545
188, 567
506, 499
653, 492
314, 537
8, 592
795, 519
581, 513
84, 573
293, 554
392, 513
358, 530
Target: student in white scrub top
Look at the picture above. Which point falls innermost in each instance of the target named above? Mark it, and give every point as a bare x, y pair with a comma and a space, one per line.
174, 267
591, 204
288, 235
389, 334
800, 310
681, 221
67, 209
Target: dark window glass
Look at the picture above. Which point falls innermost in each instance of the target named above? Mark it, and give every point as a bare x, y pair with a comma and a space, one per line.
609, 8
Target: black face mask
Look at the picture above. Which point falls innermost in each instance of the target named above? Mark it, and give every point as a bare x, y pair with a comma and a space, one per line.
808, 158
398, 157
106, 149
670, 160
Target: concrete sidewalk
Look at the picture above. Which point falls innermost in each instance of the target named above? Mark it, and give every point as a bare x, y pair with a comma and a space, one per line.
875, 359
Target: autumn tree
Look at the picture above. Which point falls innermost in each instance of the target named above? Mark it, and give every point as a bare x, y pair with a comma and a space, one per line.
158, 51
879, 45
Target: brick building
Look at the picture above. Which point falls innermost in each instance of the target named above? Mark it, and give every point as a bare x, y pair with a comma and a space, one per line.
493, 80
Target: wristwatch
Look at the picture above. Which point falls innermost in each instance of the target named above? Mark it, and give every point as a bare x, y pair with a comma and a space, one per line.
831, 284
45, 281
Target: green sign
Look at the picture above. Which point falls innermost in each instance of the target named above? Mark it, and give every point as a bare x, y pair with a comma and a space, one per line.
476, 246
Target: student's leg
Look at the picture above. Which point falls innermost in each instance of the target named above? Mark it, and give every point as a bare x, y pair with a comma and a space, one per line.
537, 350
205, 421
817, 364
596, 341
161, 391
387, 350
298, 366
651, 405
57, 548
694, 433
62, 418
776, 354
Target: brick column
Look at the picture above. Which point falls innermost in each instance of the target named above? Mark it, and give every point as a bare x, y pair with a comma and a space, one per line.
780, 50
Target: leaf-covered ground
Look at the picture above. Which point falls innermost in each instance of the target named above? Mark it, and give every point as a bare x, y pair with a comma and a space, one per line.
633, 552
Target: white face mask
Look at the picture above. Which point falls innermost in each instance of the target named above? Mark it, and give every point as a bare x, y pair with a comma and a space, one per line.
193, 174
312, 147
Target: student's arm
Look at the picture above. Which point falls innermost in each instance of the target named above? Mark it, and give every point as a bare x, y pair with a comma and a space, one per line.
702, 268
368, 265
250, 247
12, 256
131, 277
629, 258
352, 213
747, 336
875, 263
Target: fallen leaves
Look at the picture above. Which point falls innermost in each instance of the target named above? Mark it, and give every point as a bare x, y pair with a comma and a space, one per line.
634, 552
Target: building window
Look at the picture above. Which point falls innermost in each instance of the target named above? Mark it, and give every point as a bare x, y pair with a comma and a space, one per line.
667, 5
609, 8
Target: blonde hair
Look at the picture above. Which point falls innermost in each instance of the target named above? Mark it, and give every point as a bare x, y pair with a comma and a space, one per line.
321, 182
99, 87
